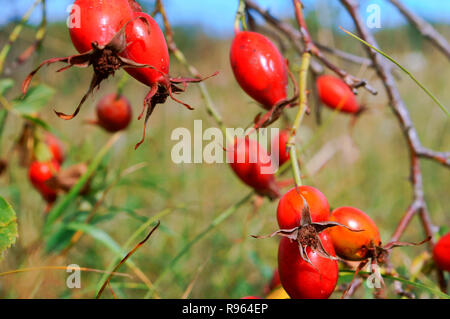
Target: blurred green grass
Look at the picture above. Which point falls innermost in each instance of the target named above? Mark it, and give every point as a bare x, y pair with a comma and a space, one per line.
236, 265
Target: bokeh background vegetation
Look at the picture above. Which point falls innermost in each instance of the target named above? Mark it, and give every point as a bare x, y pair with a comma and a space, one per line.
369, 171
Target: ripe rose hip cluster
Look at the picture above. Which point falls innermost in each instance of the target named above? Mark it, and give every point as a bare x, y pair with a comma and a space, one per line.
117, 34
263, 73
315, 239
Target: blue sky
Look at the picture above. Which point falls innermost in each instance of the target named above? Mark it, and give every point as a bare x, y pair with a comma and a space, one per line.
216, 16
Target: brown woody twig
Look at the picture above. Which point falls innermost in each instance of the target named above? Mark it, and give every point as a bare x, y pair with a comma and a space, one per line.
294, 36
99, 294
416, 150
424, 28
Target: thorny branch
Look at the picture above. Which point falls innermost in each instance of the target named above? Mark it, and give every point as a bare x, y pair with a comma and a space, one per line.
416, 150
424, 28
384, 71
294, 36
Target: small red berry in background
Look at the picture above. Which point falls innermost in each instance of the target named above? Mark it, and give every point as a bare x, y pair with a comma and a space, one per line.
259, 68
281, 141
441, 253
114, 113
353, 245
251, 163
300, 279
335, 94
56, 147
39, 173
290, 207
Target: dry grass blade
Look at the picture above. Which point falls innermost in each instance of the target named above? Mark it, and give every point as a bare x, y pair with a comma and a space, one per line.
192, 283
112, 291
17, 271
126, 257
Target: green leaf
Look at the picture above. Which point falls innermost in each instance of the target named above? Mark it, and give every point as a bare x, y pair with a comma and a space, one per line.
38, 121
59, 240
435, 99
97, 234
6, 85
8, 226
35, 99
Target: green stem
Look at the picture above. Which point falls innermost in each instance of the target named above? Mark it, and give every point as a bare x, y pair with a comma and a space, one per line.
303, 75
240, 17
15, 34
123, 80
435, 99
3, 116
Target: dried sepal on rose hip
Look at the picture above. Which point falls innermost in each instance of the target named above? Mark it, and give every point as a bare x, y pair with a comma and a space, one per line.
307, 234
150, 48
364, 246
105, 60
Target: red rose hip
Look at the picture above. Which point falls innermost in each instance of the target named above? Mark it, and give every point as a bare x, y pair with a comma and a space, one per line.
259, 68
97, 21
335, 94
300, 279
251, 163
39, 173
353, 245
281, 141
441, 253
291, 204
114, 113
